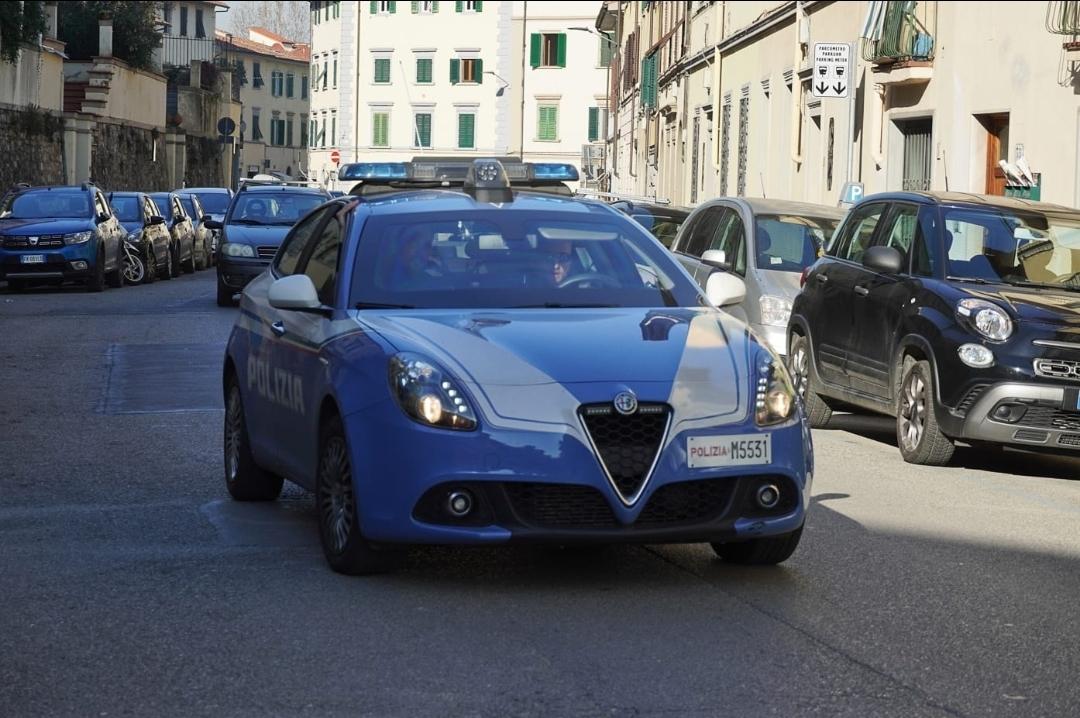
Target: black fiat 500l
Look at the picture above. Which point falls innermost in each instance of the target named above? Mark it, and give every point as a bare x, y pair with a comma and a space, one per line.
958, 314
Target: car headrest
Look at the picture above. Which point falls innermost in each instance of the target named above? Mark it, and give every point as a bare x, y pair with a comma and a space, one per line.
764, 240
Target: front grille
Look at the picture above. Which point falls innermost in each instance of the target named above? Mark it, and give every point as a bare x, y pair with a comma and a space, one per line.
1058, 368
687, 502
626, 445
1029, 435
970, 398
266, 251
43, 241
1048, 417
560, 506
1069, 439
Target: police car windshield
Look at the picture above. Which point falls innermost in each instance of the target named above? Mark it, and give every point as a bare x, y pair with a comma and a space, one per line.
512, 260
273, 208
214, 202
47, 204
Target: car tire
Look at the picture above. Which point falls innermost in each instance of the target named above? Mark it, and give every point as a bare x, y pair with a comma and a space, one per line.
96, 281
343, 543
151, 266
764, 551
17, 285
200, 262
188, 265
917, 432
245, 479
818, 413
115, 278
224, 295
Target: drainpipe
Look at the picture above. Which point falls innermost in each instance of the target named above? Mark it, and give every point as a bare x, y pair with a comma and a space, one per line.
796, 86
881, 93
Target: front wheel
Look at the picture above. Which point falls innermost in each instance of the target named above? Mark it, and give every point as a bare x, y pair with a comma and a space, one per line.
224, 295
345, 548
188, 265
96, 281
135, 271
817, 411
765, 551
245, 480
917, 432
151, 266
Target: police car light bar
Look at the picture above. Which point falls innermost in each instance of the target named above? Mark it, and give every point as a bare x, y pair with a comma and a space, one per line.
560, 172
453, 170
374, 170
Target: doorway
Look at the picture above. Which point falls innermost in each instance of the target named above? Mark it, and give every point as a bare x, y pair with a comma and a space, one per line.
997, 149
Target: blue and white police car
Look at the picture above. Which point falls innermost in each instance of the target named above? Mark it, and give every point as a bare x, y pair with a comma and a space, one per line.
462, 353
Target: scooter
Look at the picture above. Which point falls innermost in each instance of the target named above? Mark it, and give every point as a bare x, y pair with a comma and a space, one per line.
134, 265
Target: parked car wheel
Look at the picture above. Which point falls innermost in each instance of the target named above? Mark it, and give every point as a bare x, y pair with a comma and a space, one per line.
917, 432
96, 281
224, 295
345, 548
201, 261
817, 411
245, 480
763, 551
188, 265
151, 266
17, 285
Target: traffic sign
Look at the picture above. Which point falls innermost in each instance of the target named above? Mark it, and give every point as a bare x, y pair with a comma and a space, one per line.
832, 65
851, 193
226, 126
335, 157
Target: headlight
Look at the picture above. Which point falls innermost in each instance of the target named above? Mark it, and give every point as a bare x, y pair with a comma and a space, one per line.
775, 311
775, 397
428, 394
78, 237
986, 318
235, 249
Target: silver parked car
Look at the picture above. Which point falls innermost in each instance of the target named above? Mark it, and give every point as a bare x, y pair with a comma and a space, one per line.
765, 242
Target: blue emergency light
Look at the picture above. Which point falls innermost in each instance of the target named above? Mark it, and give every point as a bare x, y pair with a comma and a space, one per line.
374, 170
554, 171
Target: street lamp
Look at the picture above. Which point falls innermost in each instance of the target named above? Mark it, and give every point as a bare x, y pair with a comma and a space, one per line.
505, 84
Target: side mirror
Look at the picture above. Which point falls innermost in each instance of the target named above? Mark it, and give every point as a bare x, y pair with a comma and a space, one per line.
205, 218
156, 219
715, 258
212, 224
724, 289
884, 260
295, 292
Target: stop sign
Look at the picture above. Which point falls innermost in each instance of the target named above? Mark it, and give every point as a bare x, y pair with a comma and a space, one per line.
335, 157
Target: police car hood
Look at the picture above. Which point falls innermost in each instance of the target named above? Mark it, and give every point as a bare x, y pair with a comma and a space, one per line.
24, 227
270, 235
686, 356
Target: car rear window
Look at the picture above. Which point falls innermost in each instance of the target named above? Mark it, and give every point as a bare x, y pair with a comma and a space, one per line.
273, 208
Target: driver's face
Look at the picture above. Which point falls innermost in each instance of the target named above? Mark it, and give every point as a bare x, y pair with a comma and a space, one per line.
560, 267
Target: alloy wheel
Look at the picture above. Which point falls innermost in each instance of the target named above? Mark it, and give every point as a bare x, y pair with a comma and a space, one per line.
234, 427
913, 411
799, 372
336, 494
134, 268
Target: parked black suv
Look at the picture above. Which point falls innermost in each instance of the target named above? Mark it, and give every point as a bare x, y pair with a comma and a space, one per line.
958, 314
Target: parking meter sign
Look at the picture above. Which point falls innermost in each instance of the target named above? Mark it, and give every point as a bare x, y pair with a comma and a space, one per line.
832, 64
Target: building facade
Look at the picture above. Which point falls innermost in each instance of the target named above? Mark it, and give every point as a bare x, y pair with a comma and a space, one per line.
275, 98
938, 95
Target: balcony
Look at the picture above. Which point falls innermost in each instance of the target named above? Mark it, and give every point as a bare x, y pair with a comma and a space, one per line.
180, 51
899, 40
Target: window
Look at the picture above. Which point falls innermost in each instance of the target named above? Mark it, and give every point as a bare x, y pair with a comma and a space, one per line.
322, 132
256, 75
744, 143
333, 128
422, 124
200, 29
648, 81
303, 87
466, 132
334, 79
594, 124
460, 6
183, 21
256, 131
313, 132
294, 243
336, 6
166, 13
606, 46
326, 11
288, 130
315, 14
730, 238
380, 129
425, 8
277, 83
289, 82
325, 74
382, 70
277, 130
547, 123
547, 49
383, 8
304, 130
423, 71
322, 262
854, 237
471, 70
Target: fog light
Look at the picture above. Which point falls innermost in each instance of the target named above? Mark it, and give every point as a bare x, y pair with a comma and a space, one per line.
976, 355
430, 408
459, 503
79, 265
768, 496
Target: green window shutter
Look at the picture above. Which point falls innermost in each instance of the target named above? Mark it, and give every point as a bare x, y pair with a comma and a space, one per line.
549, 124
455, 71
479, 71
393, 8
382, 70
423, 70
466, 131
435, 6
423, 129
379, 127
560, 50
605, 49
594, 124
458, 5
478, 5
415, 7
374, 7
534, 50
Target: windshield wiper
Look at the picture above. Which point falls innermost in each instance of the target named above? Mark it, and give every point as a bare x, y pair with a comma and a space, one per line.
248, 221
561, 305
1044, 285
378, 305
973, 280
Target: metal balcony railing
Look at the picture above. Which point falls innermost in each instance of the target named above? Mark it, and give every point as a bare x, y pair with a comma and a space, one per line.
180, 51
1063, 17
900, 31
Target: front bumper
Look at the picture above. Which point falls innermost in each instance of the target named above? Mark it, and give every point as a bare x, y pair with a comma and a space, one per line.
237, 272
1040, 415
70, 262
546, 486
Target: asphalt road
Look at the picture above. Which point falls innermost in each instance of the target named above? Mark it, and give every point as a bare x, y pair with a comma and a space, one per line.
131, 585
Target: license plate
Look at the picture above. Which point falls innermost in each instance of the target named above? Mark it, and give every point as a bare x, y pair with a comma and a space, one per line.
730, 450
32, 259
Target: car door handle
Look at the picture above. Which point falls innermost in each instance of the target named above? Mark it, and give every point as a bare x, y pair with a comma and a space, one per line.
821, 278
278, 328
861, 291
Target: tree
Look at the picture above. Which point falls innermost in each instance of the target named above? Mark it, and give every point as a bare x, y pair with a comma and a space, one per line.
289, 19
135, 31
19, 23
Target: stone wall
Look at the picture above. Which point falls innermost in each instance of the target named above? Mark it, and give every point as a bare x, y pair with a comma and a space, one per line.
33, 147
124, 158
204, 163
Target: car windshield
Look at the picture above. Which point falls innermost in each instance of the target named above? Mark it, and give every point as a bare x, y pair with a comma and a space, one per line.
790, 243
664, 226
164, 205
214, 202
1016, 247
273, 208
513, 260
126, 207
47, 204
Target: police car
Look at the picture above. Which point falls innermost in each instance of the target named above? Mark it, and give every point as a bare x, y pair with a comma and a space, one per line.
463, 353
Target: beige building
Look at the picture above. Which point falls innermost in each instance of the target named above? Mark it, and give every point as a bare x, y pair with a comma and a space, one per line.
940, 93
276, 100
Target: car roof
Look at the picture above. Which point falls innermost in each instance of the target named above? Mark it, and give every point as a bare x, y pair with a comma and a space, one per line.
763, 205
650, 207
283, 188
125, 193
205, 190
70, 187
451, 200
967, 199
